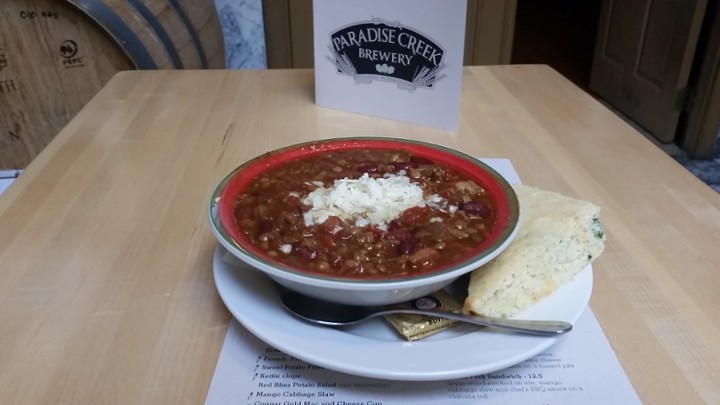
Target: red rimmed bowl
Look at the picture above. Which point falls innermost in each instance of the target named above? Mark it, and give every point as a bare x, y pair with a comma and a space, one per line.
235, 232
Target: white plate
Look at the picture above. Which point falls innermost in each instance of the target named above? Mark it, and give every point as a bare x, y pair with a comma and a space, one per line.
373, 349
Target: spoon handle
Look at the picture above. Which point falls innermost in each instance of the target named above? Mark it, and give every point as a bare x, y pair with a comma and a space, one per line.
544, 328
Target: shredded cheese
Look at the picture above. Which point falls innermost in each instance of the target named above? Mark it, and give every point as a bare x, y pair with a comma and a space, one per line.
365, 201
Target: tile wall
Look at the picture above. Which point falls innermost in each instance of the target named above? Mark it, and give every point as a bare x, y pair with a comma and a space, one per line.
244, 32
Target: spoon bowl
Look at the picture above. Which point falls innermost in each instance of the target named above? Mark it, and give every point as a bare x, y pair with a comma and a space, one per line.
333, 314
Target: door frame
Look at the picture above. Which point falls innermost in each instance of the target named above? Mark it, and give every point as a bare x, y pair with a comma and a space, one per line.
698, 135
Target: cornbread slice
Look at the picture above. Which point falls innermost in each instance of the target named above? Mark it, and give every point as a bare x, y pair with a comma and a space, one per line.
558, 237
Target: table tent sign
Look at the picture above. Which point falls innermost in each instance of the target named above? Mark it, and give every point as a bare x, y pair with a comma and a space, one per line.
395, 59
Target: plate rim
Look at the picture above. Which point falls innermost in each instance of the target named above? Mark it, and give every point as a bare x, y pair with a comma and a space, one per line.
222, 270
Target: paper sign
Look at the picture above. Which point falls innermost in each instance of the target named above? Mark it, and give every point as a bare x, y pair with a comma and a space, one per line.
396, 59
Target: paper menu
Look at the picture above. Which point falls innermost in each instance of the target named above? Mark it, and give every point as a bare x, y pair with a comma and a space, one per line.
581, 368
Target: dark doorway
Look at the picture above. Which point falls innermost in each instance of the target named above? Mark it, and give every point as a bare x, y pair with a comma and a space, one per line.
558, 33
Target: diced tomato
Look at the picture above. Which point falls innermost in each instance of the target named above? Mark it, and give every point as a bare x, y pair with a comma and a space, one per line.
331, 224
414, 216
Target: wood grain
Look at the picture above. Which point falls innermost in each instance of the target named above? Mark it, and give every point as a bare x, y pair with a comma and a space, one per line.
41, 88
106, 289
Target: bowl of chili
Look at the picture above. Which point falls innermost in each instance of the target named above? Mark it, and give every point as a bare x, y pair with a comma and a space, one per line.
364, 221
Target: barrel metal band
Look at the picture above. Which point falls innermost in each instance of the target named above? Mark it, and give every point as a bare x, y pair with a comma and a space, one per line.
160, 31
118, 30
191, 30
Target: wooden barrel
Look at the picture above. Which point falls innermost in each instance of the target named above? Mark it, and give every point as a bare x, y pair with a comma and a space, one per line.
56, 55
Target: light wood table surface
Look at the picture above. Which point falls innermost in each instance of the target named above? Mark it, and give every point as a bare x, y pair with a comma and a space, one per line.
106, 288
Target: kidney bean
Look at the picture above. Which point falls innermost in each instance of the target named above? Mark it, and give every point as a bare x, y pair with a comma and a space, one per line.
420, 160
407, 245
393, 226
307, 252
474, 208
404, 165
396, 230
368, 168
265, 226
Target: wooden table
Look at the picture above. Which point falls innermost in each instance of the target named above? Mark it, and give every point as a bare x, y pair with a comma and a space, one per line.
106, 288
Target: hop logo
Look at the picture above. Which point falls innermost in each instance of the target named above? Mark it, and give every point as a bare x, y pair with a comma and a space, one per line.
384, 68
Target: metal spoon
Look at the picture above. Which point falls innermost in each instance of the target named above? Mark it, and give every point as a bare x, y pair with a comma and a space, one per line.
332, 314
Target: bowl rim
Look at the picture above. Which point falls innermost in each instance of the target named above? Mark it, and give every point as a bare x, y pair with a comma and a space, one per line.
501, 237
